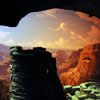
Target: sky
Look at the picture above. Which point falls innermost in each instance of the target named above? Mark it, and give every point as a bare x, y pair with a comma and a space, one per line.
54, 28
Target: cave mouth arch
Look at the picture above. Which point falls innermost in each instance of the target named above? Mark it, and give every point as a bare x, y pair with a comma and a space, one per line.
61, 38
19, 9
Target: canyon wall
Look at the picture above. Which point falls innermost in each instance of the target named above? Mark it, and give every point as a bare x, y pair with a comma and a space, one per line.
87, 69
70, 62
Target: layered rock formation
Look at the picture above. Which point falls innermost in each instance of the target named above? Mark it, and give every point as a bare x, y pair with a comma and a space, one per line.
89, 63
88, 68
70, 62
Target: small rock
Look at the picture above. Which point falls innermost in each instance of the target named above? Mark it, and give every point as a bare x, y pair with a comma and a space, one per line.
83, 96
77, 93
74, 98
90, 99
98, 96
67, 86
69, 95
83, 86
87, 90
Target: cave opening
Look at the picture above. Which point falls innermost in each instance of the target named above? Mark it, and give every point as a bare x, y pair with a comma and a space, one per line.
70, 36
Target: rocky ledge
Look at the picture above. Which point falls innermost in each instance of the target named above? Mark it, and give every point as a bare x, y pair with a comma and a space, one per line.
85, 91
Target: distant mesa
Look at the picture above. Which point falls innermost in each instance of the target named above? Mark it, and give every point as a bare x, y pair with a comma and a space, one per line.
4, 48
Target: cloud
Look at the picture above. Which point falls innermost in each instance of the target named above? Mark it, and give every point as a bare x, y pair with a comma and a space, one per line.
49, 13
83, 16
76, 36
86, 17
59, 44
94, 34
62, 27
72, 33
91, 37
4, 34
79, 40
95, 20
25, 44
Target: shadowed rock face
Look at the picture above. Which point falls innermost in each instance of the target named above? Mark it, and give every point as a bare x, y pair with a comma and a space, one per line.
12, 11
34, 75
69, 63
88, 68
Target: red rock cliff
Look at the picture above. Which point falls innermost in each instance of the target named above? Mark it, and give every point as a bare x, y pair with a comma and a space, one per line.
88, 68
71, 62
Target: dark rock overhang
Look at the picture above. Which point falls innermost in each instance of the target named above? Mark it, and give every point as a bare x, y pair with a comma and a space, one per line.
12, 11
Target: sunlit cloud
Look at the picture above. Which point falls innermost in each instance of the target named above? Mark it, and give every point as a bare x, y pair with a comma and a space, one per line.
48, 13
72, 37
72, 33
4, 34
91, 37
59, 44
62, 27
87, 18
78, 38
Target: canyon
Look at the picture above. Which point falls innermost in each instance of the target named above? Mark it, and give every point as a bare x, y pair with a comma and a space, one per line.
87, 69
73, 66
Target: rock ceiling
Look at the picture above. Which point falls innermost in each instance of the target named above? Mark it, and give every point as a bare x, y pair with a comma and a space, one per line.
12, 11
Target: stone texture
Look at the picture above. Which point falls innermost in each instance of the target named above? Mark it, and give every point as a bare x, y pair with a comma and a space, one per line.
92, 93
33, 73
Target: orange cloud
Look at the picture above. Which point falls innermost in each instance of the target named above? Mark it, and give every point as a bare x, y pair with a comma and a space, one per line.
73, 33
76, 36
96, 20
93, 35
94, 32
83, 15
87, 18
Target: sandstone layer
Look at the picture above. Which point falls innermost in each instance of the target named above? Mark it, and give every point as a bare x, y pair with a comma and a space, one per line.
88, 68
